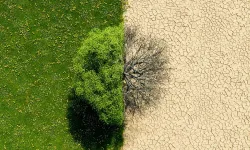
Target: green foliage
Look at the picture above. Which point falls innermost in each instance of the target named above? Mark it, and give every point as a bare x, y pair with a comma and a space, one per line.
99, 68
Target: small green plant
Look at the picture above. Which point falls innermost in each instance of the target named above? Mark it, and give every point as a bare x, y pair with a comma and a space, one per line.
99, 69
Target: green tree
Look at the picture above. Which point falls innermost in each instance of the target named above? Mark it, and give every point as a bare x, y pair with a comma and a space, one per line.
99, 71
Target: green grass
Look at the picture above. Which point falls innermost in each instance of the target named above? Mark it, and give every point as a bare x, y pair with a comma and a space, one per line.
38, 41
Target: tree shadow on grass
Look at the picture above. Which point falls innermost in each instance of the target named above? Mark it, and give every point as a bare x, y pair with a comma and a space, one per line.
88, 130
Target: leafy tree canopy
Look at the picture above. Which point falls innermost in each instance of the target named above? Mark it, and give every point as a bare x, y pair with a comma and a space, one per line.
99, 68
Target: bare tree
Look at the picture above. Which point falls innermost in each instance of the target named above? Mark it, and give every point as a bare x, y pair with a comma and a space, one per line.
144, 70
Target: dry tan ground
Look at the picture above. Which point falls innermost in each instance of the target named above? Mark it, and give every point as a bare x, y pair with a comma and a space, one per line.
206, 104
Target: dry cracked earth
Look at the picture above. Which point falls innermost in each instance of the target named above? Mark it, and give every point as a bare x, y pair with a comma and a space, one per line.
206, 102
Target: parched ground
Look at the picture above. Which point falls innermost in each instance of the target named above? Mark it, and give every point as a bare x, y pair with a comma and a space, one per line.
206, 103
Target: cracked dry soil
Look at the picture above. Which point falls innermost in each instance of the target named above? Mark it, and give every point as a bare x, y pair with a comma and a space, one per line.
206, 102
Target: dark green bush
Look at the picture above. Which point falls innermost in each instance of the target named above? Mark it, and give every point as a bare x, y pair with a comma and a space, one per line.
99, 68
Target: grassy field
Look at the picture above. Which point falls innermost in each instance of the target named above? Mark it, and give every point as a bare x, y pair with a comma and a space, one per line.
38, 40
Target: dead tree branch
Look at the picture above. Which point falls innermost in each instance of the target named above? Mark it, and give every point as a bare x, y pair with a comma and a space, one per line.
144, 70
